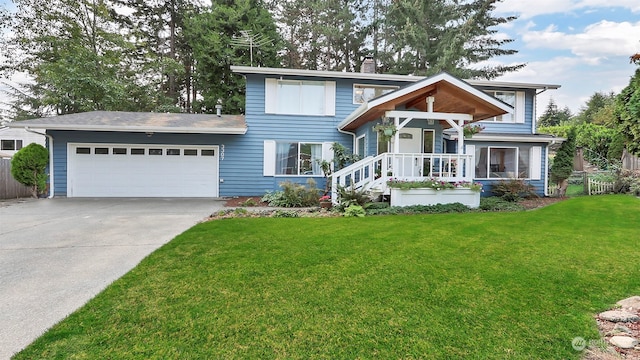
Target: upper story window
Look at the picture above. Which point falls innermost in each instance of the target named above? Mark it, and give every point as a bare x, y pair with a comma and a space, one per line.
513, 98
362, 93
10, 144
300, 97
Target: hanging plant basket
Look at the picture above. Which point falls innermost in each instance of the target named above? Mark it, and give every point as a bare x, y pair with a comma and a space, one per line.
386, 131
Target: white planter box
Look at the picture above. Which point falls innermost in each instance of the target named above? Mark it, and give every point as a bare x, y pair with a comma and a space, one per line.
431, 197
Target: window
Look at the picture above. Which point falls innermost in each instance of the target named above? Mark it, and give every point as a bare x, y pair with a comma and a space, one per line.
298, 158
300, 97
360, 146
505, 162
207, 153
190, 152
362, 93
137, 151
101, 151
155, 151
10, 144
119, 151
513, 98
173, 151
83, 150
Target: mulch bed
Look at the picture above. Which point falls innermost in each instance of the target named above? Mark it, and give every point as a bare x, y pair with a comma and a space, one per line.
539, 202
241, 201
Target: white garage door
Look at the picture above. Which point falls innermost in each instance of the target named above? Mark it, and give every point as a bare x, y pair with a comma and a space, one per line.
139, 170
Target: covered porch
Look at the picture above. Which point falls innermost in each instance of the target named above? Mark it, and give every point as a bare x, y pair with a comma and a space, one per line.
443, 102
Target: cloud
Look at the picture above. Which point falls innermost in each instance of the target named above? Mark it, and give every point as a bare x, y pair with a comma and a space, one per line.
525, 10
598, 41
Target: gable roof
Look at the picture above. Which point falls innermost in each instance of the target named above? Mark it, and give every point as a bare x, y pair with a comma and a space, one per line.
140, 122
384, 77
451, 94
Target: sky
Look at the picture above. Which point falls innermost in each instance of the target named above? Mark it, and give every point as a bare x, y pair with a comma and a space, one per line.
581, 45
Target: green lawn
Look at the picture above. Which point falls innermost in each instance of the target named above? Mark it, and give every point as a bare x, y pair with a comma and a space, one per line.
476, 285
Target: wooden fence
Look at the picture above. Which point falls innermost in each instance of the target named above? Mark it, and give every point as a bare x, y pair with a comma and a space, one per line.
9, 187
629, 161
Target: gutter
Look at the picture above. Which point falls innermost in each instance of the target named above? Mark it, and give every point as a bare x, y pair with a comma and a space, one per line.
51, 173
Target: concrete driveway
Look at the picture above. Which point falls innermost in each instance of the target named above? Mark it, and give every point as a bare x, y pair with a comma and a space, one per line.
56, 254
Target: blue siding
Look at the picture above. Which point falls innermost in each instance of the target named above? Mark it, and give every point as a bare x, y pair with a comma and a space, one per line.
242, 165
538, 184
513, 128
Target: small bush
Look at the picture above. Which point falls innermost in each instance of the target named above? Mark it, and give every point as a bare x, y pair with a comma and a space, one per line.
376, 205
348, 196
513, 190
249, 202
28, 167
421, 209
495, 203
293, 195
285, 214
627, 182
354, 211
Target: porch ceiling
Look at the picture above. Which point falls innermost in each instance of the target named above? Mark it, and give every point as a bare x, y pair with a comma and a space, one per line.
451, 96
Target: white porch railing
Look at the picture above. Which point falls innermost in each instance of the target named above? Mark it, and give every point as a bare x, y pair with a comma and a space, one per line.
372, 173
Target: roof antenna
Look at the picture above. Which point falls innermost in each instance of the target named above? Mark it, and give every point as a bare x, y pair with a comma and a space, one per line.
250, 40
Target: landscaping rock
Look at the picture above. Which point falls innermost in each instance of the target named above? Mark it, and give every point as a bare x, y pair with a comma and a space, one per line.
623, 342
619, 316
632, 303
622, 329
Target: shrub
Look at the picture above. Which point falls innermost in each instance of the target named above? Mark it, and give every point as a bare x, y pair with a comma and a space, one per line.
627, 182
293, 195
513, 190
562, 166
376, 205
249, 202
28, 167
495, 203
285, 214
354, 211
348, 196
420, 209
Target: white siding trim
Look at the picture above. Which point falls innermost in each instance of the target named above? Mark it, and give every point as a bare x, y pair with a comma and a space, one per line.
269, 158
330, 98
270, 96
519, 107
535, 162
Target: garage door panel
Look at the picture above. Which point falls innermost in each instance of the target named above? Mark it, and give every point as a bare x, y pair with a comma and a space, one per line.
127, 175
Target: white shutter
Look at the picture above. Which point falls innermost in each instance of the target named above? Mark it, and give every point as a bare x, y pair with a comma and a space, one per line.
330, 98
270, 96
327, 153
269, 159
519, 107
470, 149
535, 163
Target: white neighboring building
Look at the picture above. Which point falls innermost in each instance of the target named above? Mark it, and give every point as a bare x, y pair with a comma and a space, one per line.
12, 140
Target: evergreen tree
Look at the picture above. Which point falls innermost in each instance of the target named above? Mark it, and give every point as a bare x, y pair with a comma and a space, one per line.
628, 113
552, 116
596, 103
211, 35
562, 166
28, 167
442, 35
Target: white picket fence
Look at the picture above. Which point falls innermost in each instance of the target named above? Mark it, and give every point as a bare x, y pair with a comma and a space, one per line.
599, 187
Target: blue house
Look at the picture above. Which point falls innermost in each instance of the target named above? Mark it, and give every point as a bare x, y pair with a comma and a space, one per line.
292, 119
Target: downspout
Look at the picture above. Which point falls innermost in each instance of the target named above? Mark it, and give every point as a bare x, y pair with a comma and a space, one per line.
52, 174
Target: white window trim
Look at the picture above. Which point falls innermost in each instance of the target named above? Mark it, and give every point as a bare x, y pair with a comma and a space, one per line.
353, 94
357, 148
271, 97
270, 153
488, 169
518, 116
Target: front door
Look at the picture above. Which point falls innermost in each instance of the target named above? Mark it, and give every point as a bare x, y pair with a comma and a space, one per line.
410, 145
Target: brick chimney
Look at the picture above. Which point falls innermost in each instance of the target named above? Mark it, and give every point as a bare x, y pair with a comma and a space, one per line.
368, 65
